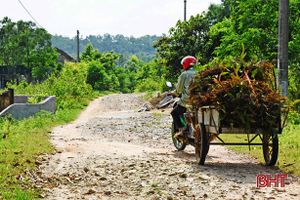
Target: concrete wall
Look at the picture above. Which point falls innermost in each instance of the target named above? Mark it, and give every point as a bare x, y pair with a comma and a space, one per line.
24, 110
20, 99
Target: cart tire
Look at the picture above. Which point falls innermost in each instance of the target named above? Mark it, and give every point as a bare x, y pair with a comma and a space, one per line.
178, 144
204, 146
270, 148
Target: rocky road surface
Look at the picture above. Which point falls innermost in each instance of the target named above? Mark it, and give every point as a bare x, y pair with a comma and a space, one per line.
114, 152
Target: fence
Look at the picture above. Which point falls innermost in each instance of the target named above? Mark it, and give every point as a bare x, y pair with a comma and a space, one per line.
13, 73
6, 99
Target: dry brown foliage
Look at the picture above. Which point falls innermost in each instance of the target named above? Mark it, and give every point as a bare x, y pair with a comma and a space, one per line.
244, 94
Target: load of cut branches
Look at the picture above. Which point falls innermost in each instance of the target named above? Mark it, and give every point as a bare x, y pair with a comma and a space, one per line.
244, 94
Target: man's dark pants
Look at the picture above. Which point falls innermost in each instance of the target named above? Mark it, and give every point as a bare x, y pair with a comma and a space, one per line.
177, 113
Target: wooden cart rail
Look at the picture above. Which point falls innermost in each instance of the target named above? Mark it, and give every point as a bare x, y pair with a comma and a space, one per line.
210, 126
210, 117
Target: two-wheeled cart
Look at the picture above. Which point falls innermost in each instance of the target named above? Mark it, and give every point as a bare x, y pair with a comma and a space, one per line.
210, 126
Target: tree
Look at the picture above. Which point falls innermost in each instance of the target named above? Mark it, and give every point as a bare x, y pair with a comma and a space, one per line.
133, 75
22, 43
90, 53
251, 27
150, 77
101, 69
294, 50
99, 78
190, 38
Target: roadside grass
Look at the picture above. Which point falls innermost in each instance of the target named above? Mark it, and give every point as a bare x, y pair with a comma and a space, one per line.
289, 149
23, 141
26, 140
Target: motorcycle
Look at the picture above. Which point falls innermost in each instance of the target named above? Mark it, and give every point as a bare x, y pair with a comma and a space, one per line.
188, 137
188, 120
191, 134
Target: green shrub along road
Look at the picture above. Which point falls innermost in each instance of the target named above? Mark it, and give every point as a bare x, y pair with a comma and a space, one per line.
24, 141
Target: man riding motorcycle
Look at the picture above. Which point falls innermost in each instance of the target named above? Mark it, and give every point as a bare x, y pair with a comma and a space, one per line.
182, 90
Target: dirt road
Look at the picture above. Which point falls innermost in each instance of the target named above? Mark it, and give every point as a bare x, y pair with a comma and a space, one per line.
114, 152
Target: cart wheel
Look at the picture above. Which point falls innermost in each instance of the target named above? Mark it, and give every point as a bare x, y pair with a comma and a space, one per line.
178, 144
203, 145
270, 148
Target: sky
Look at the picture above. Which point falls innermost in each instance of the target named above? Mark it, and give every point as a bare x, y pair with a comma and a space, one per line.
97, 17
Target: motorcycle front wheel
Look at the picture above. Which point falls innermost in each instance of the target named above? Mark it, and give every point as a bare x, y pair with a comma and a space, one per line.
178, 144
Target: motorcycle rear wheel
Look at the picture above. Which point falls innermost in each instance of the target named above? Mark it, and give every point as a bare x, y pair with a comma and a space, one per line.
178, 144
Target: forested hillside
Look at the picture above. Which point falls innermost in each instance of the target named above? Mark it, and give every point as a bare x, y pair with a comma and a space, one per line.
126, 46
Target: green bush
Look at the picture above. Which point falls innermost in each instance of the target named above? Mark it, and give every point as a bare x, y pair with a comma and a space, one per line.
69, 87
294, 117
148, 85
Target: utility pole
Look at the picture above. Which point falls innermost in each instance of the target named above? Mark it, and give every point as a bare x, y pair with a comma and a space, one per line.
283, 47
184, 15
78, 58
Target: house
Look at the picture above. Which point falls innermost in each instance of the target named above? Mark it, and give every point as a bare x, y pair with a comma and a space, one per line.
64, 57
20, 72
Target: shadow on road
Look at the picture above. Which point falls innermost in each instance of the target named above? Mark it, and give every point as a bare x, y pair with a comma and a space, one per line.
230, 170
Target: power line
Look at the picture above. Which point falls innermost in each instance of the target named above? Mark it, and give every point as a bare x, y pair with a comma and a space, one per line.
30, 14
